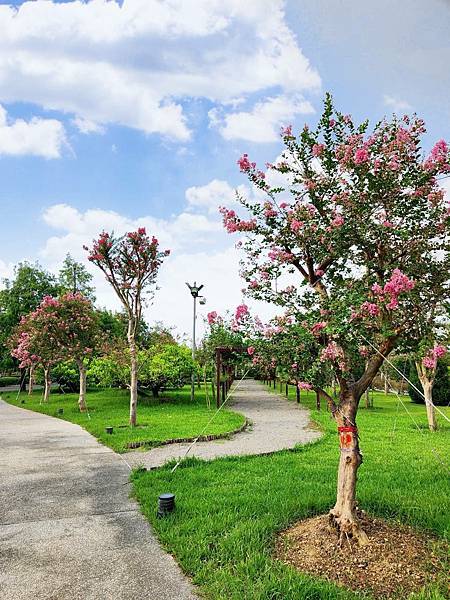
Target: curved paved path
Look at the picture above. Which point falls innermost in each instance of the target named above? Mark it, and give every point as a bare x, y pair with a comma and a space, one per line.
68, 529
277, 424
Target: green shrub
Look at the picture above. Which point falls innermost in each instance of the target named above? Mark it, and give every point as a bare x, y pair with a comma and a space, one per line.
9, 380
441, 388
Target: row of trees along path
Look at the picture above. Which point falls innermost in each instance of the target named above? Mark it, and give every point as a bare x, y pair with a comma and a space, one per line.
355, 222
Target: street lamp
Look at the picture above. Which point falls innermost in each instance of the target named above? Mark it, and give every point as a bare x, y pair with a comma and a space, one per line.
195, 293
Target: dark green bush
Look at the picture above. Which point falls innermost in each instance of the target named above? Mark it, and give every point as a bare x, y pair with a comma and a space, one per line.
441, 388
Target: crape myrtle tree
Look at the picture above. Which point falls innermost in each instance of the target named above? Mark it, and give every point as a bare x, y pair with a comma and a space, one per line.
361, 227
60, 329
130, 264
34, 342
77, 334
427, 365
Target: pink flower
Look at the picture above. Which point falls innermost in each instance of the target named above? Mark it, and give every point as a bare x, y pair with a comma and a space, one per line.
241, 312
212, 317
251, 350
332, 122
286, 131
337, 221
245, 165
387, 224
317, 327
361, 156
296, 225
317, 149
319, 272
371, 309
429, 362
439, 351
304, 385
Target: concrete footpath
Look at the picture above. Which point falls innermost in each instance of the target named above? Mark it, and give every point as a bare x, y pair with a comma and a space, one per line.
67, 526
276, 424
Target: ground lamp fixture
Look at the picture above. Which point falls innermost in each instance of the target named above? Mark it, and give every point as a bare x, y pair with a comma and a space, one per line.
166, 504
195, 293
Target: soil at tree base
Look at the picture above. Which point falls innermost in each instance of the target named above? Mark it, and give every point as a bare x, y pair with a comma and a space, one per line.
397, 562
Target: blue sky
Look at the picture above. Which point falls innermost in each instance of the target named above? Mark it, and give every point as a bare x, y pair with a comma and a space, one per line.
115, 115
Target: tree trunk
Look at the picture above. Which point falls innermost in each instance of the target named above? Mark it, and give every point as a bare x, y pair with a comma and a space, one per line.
386, 386
427, 385
366, 394
48, 384
133, 373
343, 515
31, 380
317, 400
82, 397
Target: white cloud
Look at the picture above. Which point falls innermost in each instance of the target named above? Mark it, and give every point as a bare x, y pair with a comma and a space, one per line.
396, 104
37, 137
85, 126
201, 251
263, 122
212, 195
134, 63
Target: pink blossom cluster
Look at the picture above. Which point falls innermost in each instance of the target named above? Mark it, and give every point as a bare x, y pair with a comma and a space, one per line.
241, 312
212, 317
251, 350
439, 157
296, 225
277, 254
430, 360
317, 327
304, 385
286, 131
232, 222
333, 353
245, 165
317, 149
398, 283
269, 210
100, 247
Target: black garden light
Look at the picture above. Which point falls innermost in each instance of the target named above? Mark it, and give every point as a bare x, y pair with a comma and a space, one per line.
109, 430
166, 504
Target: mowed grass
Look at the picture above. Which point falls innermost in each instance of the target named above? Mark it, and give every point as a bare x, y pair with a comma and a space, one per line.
171, 417
228, 511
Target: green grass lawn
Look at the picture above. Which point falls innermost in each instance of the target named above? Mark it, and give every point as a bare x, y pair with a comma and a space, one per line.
171, 417
229, 511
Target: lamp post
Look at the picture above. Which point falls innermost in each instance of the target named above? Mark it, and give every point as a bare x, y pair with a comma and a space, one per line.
195, 293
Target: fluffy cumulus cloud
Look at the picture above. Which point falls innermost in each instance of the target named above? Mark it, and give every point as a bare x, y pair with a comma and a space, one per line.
262, 123
211, 196
148, 56
396, 104
200, 251
37, 137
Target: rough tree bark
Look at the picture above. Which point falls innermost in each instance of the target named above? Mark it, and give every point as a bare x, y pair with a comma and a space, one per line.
427, 385
133, 372
343, 515
47, 384
82, 397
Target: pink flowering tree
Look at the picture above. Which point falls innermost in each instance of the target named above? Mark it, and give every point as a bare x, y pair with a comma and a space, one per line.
77, 334
130, 264
64, 328
426, 365
357, 233
34, 342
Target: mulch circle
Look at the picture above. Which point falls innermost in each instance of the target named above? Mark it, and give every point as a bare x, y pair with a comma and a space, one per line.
397, 561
